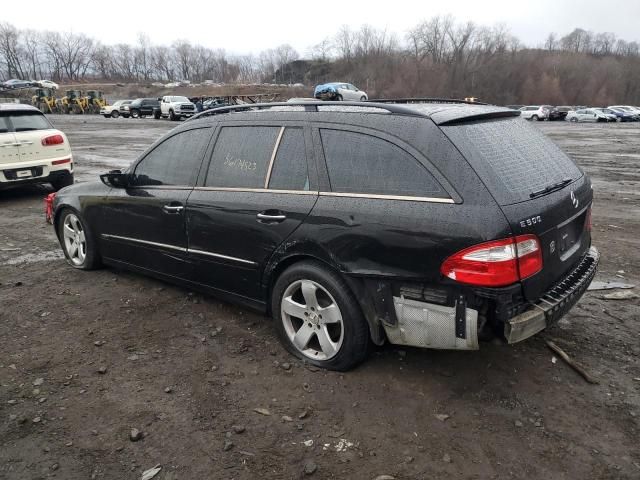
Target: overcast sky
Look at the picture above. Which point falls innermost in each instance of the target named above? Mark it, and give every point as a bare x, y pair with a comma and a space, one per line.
250, 26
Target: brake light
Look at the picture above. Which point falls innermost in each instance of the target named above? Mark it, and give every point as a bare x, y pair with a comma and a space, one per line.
497, 263
587, 221
52, 140
60, 162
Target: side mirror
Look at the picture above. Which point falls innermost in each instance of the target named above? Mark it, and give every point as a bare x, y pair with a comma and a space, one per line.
116, 179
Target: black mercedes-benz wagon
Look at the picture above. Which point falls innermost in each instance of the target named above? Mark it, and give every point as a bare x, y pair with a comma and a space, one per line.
430, 223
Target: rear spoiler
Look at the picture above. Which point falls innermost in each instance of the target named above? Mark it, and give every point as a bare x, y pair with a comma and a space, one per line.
453, 116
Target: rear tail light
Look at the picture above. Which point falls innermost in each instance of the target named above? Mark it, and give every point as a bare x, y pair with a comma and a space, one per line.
587, 221
61, 162
497, 263
48, 207
52, 140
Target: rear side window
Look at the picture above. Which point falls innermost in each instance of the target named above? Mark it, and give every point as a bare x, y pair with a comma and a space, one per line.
4, 126
241, 157
360, 163
290, 166
512, 157
175, 161
27, 121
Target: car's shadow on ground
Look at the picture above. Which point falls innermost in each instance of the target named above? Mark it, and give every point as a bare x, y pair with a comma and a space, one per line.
25, 192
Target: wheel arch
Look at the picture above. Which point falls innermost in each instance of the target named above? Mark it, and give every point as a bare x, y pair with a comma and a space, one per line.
355, 284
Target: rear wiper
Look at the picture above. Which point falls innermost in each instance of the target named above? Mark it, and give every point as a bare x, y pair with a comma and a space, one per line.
550, 188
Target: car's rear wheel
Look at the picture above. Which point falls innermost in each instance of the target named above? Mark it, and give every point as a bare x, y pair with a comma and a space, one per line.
115, 114
534, 118
135, 113
78, 244
573, 119
317, 317
339, 98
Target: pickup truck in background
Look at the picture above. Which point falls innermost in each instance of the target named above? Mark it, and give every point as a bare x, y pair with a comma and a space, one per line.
175, 107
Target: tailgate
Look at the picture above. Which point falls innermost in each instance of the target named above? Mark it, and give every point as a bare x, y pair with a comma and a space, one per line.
558, 219
539, 188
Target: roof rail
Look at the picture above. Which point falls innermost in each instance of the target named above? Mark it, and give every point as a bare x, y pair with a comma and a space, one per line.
425, 100
309, 106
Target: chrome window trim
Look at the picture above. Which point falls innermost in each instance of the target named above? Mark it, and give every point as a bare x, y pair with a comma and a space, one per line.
256, 190
225, 257
145, 242
405, 198
273, 157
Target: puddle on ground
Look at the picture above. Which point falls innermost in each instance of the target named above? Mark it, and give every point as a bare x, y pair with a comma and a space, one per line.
34, 257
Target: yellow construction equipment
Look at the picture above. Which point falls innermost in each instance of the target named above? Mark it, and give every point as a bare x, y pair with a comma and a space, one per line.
44, 100
73, 102
95, 101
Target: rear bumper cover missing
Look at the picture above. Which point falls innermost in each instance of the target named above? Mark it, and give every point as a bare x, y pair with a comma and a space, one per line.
555, 303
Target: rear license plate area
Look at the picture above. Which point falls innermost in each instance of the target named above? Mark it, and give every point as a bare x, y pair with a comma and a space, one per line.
569, 236
23, 173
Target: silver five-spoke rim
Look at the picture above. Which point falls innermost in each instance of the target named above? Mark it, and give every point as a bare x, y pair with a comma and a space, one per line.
312, 320
75, 242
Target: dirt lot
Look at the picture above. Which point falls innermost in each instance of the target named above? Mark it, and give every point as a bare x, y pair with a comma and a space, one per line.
87, 356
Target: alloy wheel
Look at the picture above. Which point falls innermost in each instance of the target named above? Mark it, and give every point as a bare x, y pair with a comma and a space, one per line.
75, 242
312, 320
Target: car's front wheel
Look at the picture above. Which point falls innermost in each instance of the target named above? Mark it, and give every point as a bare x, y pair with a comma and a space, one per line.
115, 113
135, 113
78, 244
317, 317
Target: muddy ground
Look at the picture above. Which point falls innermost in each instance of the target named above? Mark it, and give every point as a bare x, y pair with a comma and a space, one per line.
184, 369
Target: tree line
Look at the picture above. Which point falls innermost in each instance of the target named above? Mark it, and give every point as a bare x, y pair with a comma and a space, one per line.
437, 57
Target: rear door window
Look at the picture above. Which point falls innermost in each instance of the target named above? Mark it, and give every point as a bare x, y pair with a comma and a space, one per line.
290, 171
512, 157
176, 161
241, 157
364, 164
28, 121
4, 125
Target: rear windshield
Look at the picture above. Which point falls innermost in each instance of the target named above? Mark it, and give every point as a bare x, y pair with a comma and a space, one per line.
24, 121
512, 157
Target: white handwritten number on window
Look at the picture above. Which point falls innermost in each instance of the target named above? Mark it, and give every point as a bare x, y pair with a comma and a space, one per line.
238, 163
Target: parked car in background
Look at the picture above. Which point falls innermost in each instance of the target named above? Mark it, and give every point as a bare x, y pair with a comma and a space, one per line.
142, 107
620, 115
31, 150
113, 111
16, 83
534, 112
555, 113
627, 108
323, 217
589, 115
47, 84
339, 91
213, 103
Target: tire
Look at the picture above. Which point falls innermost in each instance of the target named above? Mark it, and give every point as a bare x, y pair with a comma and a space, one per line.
115, 113
534, 118
62, 181
125, 115
363, 98
574, 120
77, 241
172, 116
157, 115
348, 335
135, 114
338, 98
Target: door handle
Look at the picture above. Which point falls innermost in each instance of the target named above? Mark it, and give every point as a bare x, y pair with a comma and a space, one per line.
271, 218
173, 208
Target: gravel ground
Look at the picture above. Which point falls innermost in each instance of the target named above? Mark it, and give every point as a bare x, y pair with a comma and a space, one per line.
89, 356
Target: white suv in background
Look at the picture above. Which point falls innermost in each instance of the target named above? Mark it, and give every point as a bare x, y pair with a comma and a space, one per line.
534, 112
31, 150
